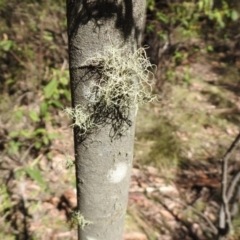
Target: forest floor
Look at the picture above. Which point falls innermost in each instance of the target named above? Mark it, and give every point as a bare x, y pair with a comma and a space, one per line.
174, 188
180, 139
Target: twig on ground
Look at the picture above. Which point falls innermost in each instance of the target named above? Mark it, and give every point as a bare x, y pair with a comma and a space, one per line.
213, 229
225, 222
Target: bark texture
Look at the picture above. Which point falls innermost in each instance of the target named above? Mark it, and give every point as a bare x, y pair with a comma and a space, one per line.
103, 163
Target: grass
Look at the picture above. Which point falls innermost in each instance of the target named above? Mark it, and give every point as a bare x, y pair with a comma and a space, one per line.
190, 126
155, 142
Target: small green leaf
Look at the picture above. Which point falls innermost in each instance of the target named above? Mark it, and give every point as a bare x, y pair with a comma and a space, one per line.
5, 199
151, 4
10, 81
47, 36
38, 145
25, 133
56, 103
13, 146
45, 140
19, 114
34, 116
43, 108
162, 17
63, 80
53, 135
162, 36
13, 134
19, 173
219, 18
234, 15
210, 48
50, 88
6, 45
35, 175
150, 28
56, 95
185, 22
67, 95
39, 131
49, 155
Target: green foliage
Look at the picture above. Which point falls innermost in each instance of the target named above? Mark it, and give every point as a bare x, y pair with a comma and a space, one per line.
5, 201
33, 172
151, 4
36, 175
178, 56
219, 15
69, 163
186, 14
55, 94
24, 62
56, 90
41, 138
34, 88
6, 45
177, 22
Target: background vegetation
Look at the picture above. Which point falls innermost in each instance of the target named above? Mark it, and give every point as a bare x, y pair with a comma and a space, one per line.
195, 45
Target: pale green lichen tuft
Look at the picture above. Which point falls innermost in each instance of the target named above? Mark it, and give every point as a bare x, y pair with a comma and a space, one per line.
125, 82
123, 78
83, 119
77, 219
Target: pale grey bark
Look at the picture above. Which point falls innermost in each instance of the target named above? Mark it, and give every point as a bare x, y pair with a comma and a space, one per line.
103, 162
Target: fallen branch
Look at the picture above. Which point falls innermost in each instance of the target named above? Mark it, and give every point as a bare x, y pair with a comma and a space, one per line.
225, 221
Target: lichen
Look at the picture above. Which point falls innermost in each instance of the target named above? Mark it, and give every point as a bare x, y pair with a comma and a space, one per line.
125, 82
77, 219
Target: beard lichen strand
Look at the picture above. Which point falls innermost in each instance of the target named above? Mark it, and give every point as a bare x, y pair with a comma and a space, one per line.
124, 83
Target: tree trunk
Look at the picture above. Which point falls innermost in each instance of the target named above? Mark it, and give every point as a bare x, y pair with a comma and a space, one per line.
103, 156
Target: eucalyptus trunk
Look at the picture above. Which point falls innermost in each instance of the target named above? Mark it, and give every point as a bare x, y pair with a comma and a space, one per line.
103, 156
